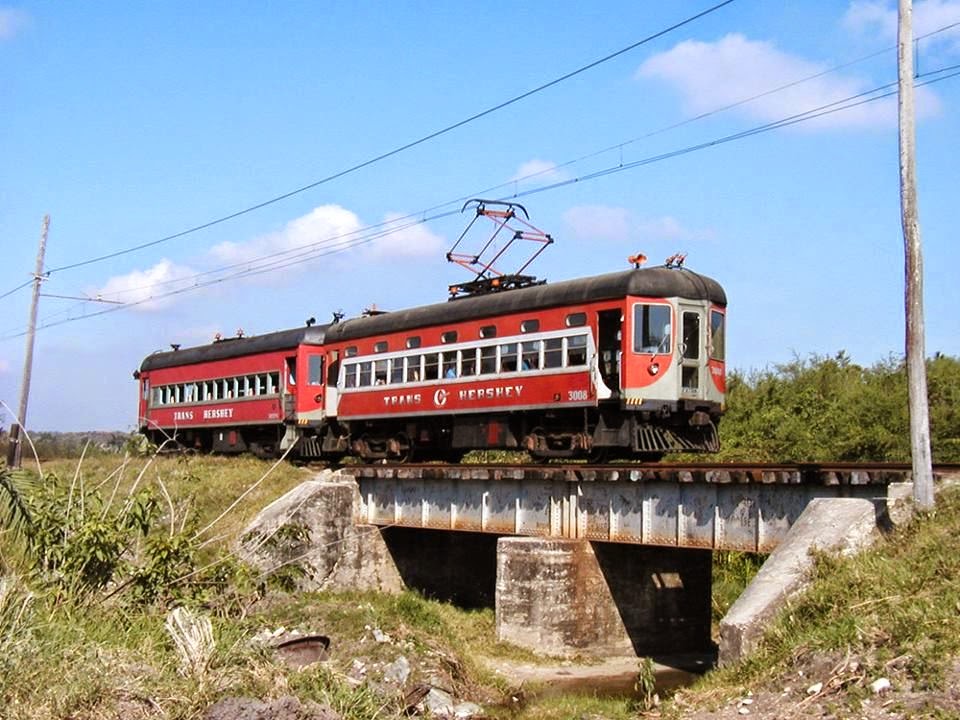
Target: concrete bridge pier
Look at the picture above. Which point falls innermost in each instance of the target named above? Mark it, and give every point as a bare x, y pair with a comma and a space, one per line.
576, 597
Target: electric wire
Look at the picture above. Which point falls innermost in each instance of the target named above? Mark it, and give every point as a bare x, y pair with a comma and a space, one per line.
515, 182
18, 287
401, 148
821, 111
554, 168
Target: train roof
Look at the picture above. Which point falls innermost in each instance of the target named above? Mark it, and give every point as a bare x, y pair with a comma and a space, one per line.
644, 282
237, 347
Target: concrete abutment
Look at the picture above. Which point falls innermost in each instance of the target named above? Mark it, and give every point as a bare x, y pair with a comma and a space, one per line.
567, 597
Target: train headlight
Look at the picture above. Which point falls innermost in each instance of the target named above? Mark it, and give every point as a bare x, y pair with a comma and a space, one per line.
654, 369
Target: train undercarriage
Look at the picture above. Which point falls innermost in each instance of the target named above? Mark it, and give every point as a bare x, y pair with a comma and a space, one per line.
594, 433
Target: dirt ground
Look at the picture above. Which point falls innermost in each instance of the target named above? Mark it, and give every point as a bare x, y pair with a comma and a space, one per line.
831, 687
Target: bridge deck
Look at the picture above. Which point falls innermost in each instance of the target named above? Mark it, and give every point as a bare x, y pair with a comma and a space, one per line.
727, 507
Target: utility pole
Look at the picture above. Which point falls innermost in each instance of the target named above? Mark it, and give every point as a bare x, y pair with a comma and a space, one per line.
14, 450
913, 270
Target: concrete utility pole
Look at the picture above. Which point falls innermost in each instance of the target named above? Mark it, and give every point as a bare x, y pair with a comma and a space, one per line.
14, 450
913, 293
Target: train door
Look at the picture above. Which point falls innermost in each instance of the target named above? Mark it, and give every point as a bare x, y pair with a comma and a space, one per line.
290, 389
609, 345
311, 400
333, 375
692, 351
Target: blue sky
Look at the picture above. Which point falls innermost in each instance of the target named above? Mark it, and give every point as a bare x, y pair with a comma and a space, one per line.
129, 122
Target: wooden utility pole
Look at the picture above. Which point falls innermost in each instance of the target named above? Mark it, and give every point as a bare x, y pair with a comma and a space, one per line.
14, 449
913, 292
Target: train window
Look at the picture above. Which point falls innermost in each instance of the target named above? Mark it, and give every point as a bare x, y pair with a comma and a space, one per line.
315, 370
291, 371
274, 383
413, 342
251, 385
366, 374
380, 346
351, 351
530, 355
450, 336
396, 371
414, 370
508, 357
431, 366
651, 328
350, 375
488, 360
488, 331
529, 326
188, 392
380, 372
576, 319
691, 336
717, 335
450, 365
553, 352
576, 350
468, 362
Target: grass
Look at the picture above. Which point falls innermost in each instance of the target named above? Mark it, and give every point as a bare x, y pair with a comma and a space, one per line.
894, 609
99, 656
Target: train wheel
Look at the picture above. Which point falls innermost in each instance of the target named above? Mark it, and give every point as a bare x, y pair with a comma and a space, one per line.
599, 455
400, 448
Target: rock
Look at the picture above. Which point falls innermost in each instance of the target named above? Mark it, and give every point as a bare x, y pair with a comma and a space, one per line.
467, 710
880, 685
815, 688
439, 703
397, 672
380, 636
744, 711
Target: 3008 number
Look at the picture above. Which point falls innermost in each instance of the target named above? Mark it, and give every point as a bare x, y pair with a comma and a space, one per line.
574, 395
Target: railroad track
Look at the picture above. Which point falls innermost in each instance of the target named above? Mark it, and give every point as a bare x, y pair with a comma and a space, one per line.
826, 473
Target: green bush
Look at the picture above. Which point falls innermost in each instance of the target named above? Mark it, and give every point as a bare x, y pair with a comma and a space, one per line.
831, 409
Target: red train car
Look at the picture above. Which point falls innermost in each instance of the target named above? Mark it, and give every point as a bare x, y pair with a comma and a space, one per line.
627, 364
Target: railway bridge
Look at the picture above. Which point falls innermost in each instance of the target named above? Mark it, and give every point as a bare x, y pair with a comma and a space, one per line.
579, 559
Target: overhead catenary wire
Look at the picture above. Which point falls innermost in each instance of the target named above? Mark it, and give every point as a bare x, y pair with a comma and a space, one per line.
397, 150
814, 113
514, 182
458, 201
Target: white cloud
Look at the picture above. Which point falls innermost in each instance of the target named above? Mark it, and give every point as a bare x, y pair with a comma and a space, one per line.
144, 288
411, 241
11, 22
325, 227
537, 170
618, 224
667, 227
871, 16
598, 222
711, 75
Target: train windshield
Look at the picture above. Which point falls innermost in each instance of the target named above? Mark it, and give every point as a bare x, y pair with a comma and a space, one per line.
651, 328
717, 335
